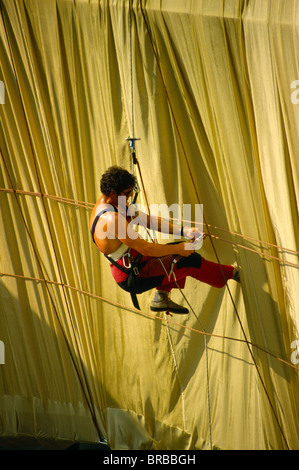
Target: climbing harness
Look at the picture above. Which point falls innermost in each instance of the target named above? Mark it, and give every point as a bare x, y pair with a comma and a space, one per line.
130, 267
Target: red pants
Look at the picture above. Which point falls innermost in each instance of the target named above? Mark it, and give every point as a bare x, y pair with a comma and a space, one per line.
152, 272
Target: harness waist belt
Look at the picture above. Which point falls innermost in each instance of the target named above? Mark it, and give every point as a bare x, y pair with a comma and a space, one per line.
132, 270
118, 253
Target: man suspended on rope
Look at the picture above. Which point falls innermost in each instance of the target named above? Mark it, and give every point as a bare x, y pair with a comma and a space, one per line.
138, 265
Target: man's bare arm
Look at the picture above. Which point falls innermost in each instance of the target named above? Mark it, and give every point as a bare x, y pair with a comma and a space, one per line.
127, 235
160, 224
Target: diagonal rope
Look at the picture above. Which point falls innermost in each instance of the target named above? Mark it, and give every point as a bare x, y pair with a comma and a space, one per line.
212, 243
86, 393
89, 206
135, 161
149, 213
42, 194
148, 315
80, 373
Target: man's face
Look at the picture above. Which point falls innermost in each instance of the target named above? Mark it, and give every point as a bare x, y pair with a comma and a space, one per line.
123, 198
127, 192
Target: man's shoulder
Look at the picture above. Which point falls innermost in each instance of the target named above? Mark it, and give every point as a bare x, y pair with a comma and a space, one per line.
103, 208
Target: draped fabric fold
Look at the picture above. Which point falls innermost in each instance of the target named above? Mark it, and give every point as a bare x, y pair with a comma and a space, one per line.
213, 90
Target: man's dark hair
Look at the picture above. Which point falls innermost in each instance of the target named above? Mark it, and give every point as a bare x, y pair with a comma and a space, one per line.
116, 180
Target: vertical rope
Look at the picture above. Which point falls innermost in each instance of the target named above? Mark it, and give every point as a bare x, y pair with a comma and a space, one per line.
171, 272
133, 138
131, 68
177, 371
206, 356
135, 161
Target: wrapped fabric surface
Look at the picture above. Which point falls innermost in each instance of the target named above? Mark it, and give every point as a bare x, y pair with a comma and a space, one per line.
216, 107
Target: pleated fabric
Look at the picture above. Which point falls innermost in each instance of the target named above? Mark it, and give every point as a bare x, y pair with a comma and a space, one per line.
211, 88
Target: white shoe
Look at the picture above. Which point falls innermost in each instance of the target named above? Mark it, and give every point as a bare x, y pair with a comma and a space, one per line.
162, 303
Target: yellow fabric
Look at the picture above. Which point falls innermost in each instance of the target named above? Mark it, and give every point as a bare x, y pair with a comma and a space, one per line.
213, 107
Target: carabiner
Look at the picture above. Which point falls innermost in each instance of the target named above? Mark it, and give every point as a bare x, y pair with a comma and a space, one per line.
127, 255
